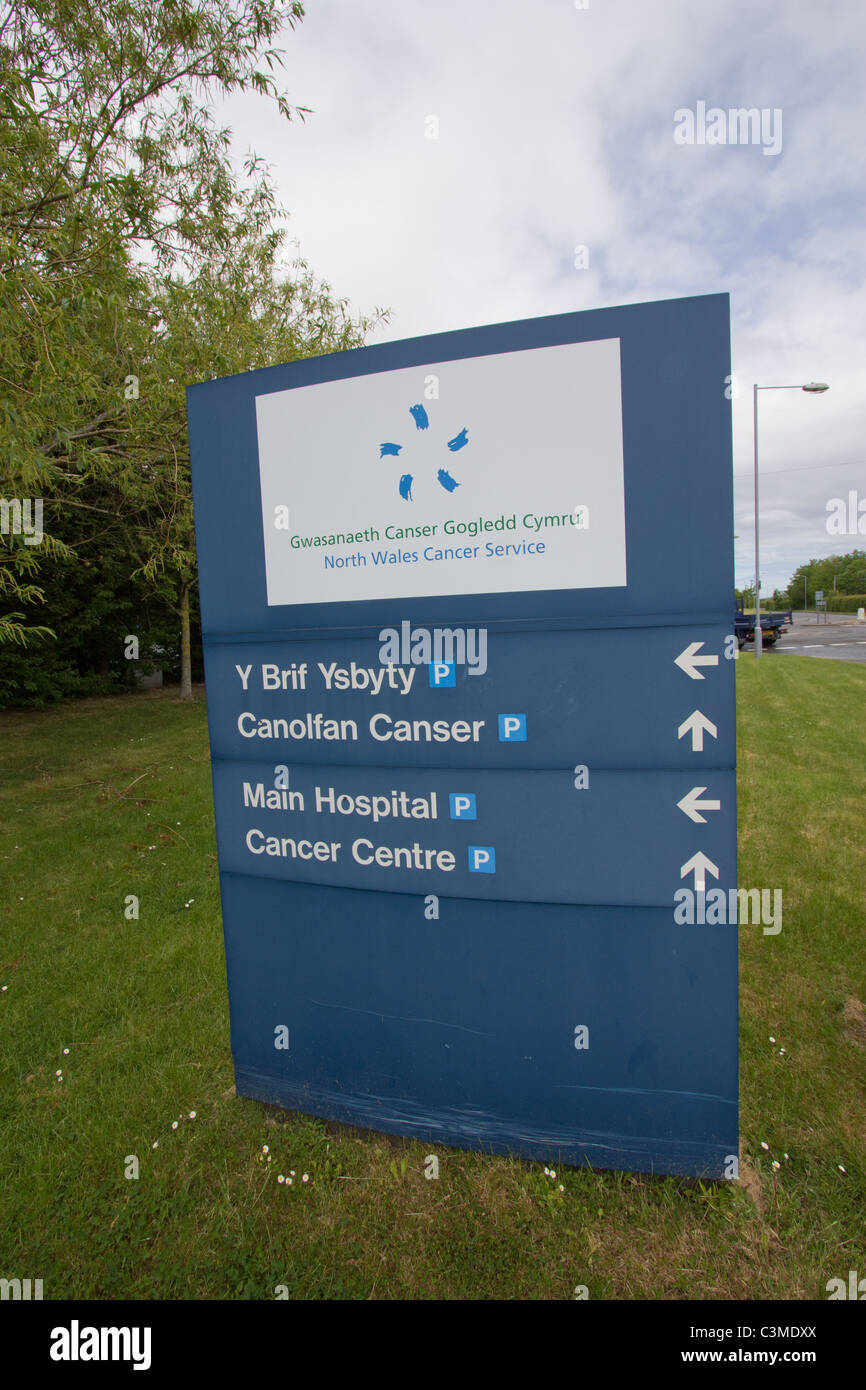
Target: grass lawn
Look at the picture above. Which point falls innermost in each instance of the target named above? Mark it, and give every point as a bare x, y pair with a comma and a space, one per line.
112, 797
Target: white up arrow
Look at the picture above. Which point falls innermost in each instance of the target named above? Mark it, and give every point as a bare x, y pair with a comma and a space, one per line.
693, 807
697, 725
701, 866
689, 661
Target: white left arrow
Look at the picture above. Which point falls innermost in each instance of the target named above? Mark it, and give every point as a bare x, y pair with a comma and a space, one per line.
692, 805
697, 725
690, 659
700, 865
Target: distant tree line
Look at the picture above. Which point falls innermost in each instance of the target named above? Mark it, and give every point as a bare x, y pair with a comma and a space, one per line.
133, 261
778, 598
841, 577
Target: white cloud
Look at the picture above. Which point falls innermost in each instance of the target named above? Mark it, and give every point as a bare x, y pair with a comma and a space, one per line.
556, 128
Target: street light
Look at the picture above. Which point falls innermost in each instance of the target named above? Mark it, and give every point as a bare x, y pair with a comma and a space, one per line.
814, 387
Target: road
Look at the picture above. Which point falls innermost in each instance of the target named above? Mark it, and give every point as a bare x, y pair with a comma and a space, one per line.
843, 638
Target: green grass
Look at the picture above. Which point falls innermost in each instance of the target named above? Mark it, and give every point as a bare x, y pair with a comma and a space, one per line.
108, 798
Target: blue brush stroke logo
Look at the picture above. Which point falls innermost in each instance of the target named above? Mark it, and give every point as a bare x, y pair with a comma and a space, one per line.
444, 478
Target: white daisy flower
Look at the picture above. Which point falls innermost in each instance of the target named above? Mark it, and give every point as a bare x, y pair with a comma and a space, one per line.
764, 1146
174, 1124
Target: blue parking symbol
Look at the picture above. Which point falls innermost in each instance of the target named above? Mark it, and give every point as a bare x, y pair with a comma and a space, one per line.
512, 728
441, 673
482, 859
462, 806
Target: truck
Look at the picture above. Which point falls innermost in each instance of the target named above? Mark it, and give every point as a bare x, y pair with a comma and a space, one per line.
772, 625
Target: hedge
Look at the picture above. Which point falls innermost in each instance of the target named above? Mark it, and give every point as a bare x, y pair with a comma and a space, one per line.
845, 603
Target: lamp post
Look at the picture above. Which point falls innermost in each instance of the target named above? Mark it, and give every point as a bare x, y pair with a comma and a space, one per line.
812, 386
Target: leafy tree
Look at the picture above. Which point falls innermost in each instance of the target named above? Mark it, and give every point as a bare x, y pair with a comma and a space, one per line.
848, 572
244, 308
92, 603
132, 262
108, 157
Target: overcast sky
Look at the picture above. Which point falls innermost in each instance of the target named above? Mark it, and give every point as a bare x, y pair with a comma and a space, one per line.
556, 130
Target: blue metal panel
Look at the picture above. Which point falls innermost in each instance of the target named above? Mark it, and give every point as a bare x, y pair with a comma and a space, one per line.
615, 697
458, 870
461, 1031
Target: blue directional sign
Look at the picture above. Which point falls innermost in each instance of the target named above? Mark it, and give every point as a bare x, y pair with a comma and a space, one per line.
466, 605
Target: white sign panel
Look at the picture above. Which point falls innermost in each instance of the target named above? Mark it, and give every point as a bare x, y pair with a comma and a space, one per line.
483, 475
